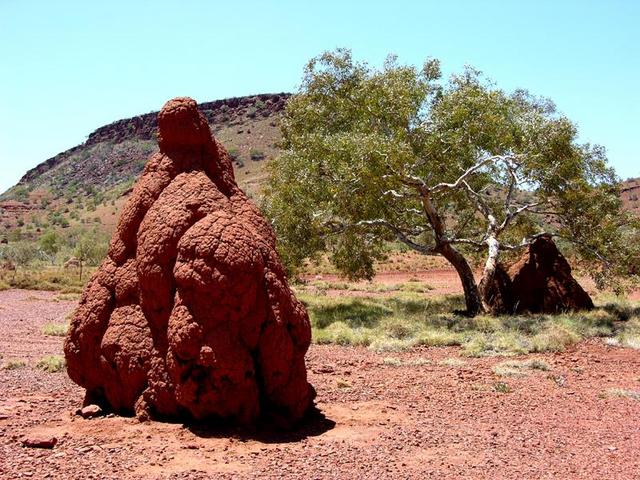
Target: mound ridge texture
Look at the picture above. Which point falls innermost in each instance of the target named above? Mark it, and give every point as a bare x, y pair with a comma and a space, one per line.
540, 281
190, 315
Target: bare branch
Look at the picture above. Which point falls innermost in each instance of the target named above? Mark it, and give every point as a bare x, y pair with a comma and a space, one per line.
513, 182
468, 241
471, 170
481, 205
511, 215
401, 236
396, 194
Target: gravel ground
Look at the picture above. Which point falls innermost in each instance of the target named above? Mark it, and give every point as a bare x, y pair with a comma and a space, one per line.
427, 413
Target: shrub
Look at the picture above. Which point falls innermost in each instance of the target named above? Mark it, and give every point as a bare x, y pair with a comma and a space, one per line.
14, 364
234, 153
257, 155
51, 364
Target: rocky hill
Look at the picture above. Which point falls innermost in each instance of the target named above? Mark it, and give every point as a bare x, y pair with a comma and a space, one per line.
86, 184
630, 193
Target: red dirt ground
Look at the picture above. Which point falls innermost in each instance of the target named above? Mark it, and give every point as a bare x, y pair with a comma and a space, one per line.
443, 281
423, 419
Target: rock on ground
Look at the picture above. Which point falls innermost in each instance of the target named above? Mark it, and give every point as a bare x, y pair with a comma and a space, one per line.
39, 441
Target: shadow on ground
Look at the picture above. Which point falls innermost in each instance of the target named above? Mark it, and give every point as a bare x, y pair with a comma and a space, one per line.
314, 424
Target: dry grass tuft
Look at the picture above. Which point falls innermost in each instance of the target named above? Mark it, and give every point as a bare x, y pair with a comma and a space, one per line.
14, 364
519, 368
51, 364
55, 330
621, 393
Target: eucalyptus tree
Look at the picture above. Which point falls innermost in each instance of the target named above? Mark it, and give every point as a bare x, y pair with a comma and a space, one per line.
448, 168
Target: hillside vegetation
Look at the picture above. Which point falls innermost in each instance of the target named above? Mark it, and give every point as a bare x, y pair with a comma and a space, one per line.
85, 185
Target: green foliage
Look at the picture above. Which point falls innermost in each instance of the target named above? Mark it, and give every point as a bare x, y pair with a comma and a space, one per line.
368, 151
91, 247
20, 253
20, 193
50, 243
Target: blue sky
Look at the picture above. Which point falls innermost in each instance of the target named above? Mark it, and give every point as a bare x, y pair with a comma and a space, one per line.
67, 68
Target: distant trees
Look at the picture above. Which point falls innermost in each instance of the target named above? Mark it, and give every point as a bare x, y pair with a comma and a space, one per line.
20, 254
90, 248
456, 169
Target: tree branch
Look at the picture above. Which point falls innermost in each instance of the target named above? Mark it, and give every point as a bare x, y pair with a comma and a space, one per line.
481, 205
401, 236
471, 170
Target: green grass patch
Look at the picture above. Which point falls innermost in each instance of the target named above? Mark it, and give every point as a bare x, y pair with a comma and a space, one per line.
55, 330
415, 286
51, 363
408, 319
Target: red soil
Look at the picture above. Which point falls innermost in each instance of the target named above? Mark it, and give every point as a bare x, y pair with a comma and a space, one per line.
423, 419
443, 281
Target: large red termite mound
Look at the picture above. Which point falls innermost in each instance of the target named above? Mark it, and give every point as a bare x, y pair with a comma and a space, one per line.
540, 281
191, 315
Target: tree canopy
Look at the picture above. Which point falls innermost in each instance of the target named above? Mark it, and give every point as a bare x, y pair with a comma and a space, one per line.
450, 167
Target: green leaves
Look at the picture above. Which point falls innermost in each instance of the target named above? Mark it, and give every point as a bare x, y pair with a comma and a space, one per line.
364, 147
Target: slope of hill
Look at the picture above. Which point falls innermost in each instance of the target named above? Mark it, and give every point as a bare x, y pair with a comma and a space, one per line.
630, 193
86, 183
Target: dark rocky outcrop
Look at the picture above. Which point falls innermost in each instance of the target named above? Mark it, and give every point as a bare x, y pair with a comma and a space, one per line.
144, 127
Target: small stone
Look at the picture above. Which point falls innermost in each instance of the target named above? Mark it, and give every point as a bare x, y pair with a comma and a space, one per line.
36, 441
90, 411
324, 369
